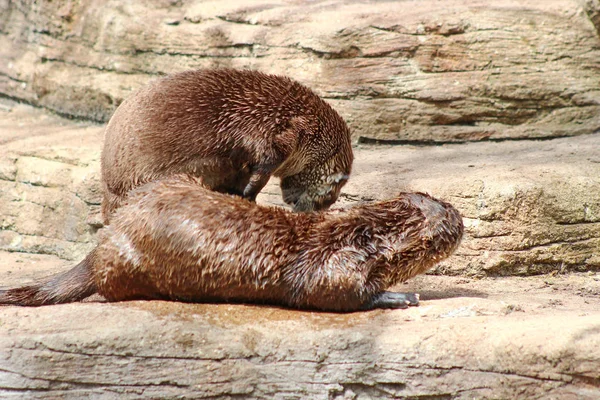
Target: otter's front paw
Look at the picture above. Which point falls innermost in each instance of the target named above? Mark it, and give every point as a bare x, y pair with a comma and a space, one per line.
255, 185
393, 300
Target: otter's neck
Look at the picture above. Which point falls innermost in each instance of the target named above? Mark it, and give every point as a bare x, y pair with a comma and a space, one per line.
375, 240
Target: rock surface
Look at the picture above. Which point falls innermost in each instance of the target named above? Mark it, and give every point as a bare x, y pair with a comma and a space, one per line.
49, 183
396, 70
485, 339
529, 206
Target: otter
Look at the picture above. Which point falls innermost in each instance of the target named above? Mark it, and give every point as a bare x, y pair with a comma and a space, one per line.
233, 129
175, 240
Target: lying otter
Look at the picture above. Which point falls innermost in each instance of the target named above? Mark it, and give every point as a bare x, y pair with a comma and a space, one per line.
175, 240
232, 129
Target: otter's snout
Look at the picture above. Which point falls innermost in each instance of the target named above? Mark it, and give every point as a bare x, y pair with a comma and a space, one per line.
308, 204
312, 198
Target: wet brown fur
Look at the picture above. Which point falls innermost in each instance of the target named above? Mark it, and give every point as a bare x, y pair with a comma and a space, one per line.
178, 241
233, 129
73, 285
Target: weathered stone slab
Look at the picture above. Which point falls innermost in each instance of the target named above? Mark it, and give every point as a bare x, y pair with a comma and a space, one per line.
396, 70
457, 348
49, 183
529, 206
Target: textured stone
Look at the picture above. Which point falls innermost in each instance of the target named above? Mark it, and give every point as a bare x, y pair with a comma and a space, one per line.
529, 206
49, 191
459, 348
396, 70
407, 72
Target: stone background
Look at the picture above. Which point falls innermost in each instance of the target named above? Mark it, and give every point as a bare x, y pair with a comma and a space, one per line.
529, 207
411, 73
493, 106
404, 71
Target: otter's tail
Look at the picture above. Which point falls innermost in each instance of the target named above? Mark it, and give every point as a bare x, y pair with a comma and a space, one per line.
73, 285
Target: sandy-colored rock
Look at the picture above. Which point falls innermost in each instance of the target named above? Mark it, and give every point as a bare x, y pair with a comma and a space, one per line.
396, 70
49, 183
486, 339
529, 206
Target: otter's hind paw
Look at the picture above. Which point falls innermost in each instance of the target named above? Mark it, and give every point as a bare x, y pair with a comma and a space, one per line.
393, 300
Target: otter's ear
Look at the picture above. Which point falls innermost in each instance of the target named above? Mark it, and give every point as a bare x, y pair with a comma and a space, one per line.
299, 124
288, 138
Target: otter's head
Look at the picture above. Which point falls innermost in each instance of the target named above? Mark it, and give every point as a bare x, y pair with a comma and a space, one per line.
318, 187
312, 178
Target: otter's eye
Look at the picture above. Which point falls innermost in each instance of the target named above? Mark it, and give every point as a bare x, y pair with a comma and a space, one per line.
337, 178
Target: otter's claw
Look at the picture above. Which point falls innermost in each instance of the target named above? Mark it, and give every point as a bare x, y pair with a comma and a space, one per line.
393, 300
255, 185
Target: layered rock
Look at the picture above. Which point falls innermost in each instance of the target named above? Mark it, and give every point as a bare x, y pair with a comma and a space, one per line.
529, 206
399, 71
49, 183
402, 72
461, 348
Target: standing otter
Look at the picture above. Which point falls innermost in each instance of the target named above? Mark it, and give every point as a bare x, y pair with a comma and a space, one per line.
232, 129
175, 240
